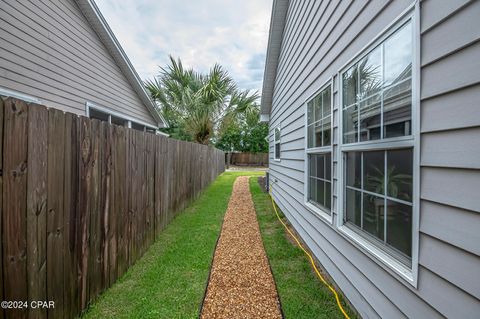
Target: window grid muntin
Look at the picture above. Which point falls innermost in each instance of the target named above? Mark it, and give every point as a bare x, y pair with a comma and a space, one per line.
393, 199
385, 198
310, 176
311, 104
276, 142
382, 88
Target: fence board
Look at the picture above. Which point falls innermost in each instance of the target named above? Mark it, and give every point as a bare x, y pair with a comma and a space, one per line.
84, 204
150, 190
158, 200
141, 195
132, 193
37, 206
55, 211
15, 204
105, 158
129, 190
120, 203
94, 263
109, 225
70, 216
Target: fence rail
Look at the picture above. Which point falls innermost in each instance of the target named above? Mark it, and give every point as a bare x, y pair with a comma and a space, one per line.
81, 200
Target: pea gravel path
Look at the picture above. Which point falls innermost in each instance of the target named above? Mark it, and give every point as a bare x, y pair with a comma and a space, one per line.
241, 284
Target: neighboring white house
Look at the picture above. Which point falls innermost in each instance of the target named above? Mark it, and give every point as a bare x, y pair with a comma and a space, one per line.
374, 114
64, 55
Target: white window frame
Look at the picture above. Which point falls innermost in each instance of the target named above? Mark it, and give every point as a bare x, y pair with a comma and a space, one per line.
379, 255
128, 119
275, 158
327, 216
18, 95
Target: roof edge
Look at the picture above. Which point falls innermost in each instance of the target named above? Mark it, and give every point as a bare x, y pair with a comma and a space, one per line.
99, 24
275, 38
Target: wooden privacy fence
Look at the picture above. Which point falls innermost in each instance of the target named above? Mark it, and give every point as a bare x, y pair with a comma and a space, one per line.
82, 200
250, 159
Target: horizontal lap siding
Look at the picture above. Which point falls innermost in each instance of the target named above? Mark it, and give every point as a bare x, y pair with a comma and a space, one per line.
319, 38
450, 155
49, 51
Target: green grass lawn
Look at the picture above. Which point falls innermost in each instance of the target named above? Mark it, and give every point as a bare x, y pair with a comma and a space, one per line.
301, 293
170, 279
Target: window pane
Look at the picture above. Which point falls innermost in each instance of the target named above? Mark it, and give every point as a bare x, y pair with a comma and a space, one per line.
374, 171
317, 102
118, 121
277, 150
353, 171
277, 134
370, 118
310, 135
317, 141
313, 189
350, 124
94, 114
373, 215
399, 174
328, 195
397, 110
320, 192
327, 126
313, 165
326, 97
399, 227
398, 55
350, 86
370, 72
320, 166
328, 167
353, 208
310, 112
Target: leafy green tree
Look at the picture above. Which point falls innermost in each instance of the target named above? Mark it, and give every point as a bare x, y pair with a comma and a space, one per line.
195, 104
244, 132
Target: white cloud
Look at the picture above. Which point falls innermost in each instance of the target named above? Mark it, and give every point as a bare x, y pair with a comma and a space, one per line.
201, 33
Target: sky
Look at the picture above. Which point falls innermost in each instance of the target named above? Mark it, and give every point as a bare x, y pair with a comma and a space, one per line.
203, 32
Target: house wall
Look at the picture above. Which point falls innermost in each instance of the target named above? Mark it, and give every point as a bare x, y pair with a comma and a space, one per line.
49, 51
319, 38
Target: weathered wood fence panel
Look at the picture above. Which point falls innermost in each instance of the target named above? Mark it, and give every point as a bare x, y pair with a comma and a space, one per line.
82, 200
260, 159
1, 200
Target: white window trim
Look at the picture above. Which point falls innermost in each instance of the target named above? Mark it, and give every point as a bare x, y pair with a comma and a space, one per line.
328, 217
380, 256
18, 95
90, 105
275, 158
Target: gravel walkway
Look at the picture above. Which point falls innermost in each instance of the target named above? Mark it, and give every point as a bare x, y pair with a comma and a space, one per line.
241, 284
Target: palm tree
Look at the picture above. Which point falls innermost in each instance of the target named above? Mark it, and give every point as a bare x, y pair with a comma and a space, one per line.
196, 103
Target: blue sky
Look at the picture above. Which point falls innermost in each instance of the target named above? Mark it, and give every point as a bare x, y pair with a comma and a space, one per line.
232, 33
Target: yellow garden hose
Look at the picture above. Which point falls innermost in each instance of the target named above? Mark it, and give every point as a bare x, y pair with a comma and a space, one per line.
311, 261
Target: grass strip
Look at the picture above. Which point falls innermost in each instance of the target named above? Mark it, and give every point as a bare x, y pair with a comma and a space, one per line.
169, 280
301, 294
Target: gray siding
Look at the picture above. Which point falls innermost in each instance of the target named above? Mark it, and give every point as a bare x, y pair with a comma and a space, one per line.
319, 38
49, 51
